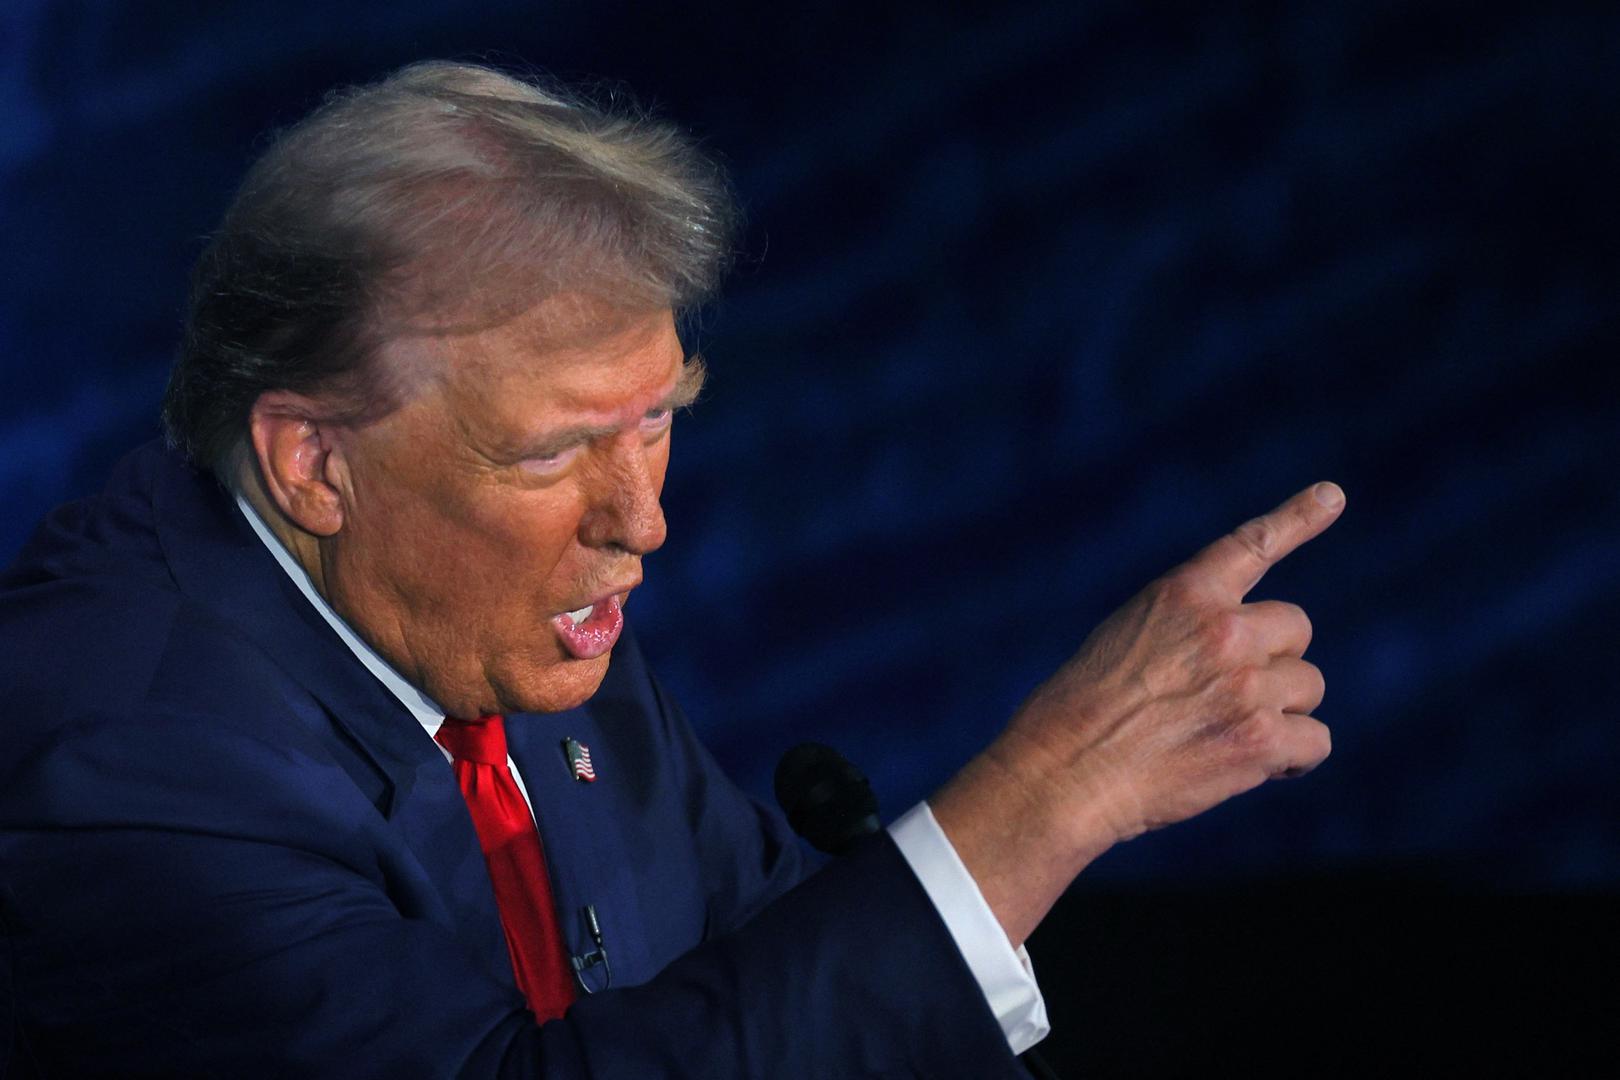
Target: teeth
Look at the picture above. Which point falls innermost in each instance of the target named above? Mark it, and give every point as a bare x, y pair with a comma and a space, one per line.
582, 614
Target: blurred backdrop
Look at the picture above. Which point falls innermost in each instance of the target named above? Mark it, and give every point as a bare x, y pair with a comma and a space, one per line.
1036, 299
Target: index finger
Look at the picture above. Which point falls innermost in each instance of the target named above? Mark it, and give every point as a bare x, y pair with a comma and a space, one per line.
1236, 562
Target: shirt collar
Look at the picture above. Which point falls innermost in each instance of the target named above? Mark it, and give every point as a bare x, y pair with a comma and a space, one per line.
426, 711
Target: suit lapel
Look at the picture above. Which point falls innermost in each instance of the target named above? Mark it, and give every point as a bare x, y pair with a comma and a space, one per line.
219, 562
579, 827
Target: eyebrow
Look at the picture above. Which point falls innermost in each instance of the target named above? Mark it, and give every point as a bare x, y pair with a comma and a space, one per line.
688, 385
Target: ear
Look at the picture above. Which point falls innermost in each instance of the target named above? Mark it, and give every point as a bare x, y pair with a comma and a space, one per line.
298, 461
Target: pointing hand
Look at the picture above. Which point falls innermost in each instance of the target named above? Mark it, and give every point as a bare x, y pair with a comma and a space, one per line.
1181, 699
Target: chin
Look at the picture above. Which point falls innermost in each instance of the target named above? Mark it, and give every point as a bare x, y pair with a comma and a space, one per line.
557, 687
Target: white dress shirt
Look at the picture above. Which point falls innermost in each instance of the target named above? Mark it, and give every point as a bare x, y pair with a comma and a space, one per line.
1004, 974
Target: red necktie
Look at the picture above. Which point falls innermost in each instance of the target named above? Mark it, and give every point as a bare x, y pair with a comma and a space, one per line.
517, 866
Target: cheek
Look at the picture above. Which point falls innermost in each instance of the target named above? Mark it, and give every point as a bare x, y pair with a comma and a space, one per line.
520, 535
422, 529
434, 539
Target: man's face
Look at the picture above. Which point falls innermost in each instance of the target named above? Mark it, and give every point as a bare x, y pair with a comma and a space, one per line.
518, 484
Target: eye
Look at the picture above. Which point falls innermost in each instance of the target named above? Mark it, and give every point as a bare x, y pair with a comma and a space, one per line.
657, 420
548, 464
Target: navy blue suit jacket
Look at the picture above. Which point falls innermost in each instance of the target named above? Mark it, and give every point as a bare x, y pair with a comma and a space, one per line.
226, 849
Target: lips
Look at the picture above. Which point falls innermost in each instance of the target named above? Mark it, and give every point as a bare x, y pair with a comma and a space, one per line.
592, 630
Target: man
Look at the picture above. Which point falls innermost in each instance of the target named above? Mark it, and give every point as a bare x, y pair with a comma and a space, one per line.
283, 699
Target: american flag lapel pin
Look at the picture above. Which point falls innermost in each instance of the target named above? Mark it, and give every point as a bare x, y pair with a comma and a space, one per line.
579, 760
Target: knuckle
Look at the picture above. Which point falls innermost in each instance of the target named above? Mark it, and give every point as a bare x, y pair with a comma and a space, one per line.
1295, 614
1224, 633
1258, 537
1248, 685
1324, 740
1314, 744
1318, 682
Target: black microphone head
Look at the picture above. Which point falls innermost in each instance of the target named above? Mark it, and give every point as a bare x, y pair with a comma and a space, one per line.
826, 799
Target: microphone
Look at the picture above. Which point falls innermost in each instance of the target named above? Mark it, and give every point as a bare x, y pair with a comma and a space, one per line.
830, 803
827, 800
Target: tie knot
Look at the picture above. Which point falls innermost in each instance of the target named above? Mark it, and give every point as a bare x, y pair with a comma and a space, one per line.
482, 740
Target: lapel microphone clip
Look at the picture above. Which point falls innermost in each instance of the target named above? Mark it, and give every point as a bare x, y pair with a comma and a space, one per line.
596, 957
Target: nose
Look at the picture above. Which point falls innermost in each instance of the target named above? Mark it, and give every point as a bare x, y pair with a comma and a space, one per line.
623, 512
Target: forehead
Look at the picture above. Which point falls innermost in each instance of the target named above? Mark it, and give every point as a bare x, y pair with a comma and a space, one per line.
588, 361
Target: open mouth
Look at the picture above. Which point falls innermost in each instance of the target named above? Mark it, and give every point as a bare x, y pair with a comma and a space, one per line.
589, 632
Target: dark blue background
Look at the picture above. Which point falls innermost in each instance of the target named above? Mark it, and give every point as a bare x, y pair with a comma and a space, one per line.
1038, 298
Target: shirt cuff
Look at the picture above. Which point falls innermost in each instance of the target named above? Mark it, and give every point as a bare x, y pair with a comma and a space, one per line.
1005, 975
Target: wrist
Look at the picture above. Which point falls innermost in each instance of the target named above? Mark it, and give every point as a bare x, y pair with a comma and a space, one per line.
1021, 837
1072, 796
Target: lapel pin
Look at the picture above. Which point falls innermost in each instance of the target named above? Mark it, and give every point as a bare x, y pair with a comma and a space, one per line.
579, 760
